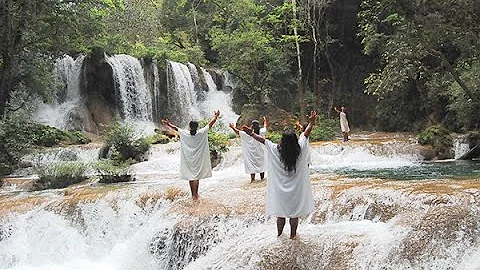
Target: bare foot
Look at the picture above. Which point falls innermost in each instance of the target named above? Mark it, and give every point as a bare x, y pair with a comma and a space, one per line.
294, 237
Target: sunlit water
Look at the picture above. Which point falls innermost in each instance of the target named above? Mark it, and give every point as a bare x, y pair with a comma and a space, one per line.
369, 219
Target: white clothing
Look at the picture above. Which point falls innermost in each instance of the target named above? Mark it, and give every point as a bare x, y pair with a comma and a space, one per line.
289, 194
194, 154
253, 154
344, 122
307, 150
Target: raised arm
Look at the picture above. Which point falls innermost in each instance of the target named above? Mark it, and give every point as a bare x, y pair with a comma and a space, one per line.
299, 126
168, 124
336, 109
214, 119
231, 125
250, 132
311, 122
265, 122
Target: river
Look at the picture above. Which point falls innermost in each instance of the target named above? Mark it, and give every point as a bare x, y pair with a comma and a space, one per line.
377, 206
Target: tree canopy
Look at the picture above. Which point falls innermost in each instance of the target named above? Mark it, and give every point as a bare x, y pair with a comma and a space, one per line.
397, 65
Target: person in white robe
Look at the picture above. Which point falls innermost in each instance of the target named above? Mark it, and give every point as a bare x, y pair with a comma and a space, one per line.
195, 161
253, 151
343, 122
289, 190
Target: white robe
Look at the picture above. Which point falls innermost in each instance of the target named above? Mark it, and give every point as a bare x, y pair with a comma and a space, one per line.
253, 153
289, 195
194, 154
344, 122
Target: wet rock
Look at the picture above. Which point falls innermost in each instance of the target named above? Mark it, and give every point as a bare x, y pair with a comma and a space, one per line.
67, 155
309, 254
278, 118
188, 240
441, 232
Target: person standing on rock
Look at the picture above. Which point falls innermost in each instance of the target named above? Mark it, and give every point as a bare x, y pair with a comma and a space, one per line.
253, 151
289, 191
195, 161
343, 122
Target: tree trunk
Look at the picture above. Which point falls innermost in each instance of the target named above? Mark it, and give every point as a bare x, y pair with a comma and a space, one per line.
301, 93
454, 73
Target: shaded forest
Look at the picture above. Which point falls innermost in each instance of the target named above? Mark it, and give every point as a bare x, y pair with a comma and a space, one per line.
396, 65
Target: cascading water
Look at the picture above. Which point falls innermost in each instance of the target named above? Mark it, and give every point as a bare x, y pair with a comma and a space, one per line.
181, 94
217, 100
460, 146
149, 224
68, 102
153, 78
188, 101
135, 98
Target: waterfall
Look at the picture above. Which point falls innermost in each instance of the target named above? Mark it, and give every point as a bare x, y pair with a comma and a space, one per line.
135, 99
217, 100
187, 98
228, 82
181, 94
153, 78
68, 104
460, 146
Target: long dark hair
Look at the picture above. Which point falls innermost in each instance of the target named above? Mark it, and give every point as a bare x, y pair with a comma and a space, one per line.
193, 127
289, 150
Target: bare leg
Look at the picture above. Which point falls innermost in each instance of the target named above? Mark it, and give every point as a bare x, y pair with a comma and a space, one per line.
262, 175
252, 177
280, 225
293, 227
194, 188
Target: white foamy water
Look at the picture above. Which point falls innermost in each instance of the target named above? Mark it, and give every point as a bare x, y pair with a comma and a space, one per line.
354, 227
330, 157
68, 100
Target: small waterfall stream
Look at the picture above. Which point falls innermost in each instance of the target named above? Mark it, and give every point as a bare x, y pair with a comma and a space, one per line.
190, 101
135, 98
67, 101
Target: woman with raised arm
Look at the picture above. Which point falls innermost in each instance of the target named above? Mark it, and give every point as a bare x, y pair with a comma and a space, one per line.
289, 191
194, 152
253, 151
343, 122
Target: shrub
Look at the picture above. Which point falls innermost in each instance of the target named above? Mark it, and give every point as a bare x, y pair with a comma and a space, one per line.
109, 172
157, 139
15, 140
439, 138
274, 136
218, 141
324, 130
122, 145
49, 136
59, 175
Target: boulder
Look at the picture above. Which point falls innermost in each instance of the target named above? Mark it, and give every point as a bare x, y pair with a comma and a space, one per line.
278, 119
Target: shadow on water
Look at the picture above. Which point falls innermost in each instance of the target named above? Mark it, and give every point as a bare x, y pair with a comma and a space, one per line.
448, 169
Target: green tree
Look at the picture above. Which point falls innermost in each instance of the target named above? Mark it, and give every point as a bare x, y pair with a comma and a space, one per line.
34, 34
246, 48
426, 48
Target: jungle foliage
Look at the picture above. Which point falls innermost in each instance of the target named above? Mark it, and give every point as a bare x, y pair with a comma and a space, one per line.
18, 137
396, 65
121, 145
